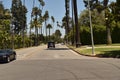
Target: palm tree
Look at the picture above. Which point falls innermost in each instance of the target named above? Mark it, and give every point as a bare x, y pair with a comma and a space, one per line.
67, 17
49, 26
42, 3
46, 17
77, 34
1, 10
53, 20
36, 12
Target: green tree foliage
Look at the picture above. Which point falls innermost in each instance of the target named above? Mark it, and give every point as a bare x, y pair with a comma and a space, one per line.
4, 27
103, 6
58, 36
19, 15
1, 10
117, 10
99, 23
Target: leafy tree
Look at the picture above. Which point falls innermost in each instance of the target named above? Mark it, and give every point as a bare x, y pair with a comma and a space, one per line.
103, 7
117, 10
17, 12
4, 27
1, 10
58, 35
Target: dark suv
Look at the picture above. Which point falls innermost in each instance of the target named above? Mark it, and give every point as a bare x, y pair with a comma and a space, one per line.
51, 44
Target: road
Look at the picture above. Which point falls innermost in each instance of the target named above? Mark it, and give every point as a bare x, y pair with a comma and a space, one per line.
61, 63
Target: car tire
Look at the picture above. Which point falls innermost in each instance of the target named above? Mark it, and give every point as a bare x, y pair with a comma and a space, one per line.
14, 57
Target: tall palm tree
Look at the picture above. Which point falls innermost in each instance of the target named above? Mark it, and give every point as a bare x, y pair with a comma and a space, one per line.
77, 29
53, 20
42, 3
36, 12
67, 17
31, 22
46, 17
49, 26
1, 10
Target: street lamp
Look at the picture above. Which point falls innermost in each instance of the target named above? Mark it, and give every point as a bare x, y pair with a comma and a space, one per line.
91, 29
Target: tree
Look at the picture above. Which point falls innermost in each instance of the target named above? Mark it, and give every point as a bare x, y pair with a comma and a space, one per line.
49, 26
77, 29
53, 20
58, 35
102, 7
4, 27
67, 17
117, 10
23, 21
108, 28
1, 10
46, 17
42, 4
18, 11
36, 12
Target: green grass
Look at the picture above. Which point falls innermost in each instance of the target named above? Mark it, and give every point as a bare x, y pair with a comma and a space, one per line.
100, 50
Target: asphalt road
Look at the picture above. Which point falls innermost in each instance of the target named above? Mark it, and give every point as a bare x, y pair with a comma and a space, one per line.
40, 63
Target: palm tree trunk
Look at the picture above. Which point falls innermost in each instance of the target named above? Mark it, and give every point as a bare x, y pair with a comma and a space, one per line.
49, 34
67, 17
77, 34
46, 29
73, 41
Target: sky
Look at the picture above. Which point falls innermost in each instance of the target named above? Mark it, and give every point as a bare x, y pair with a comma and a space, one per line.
56, 8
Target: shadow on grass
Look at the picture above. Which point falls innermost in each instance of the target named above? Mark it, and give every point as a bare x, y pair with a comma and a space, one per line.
110, 54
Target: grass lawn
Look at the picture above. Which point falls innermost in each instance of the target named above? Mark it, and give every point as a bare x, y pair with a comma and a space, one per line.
100, 50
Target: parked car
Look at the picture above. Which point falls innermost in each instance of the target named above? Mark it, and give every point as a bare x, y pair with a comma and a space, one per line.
7, 55
51, 44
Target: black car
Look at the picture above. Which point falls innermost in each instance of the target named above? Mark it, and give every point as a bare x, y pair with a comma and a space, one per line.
7, 55
51, 44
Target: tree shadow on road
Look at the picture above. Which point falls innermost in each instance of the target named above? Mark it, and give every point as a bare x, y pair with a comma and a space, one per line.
110, 54
57, 49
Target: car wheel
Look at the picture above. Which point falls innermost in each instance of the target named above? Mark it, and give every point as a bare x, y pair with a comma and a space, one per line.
14, 57
8, 59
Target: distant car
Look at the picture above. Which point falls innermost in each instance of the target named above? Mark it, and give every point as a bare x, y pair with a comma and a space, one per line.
62, 43
7, 55
51, 44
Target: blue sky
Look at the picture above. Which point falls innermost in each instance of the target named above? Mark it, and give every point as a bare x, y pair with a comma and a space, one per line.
56, 8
